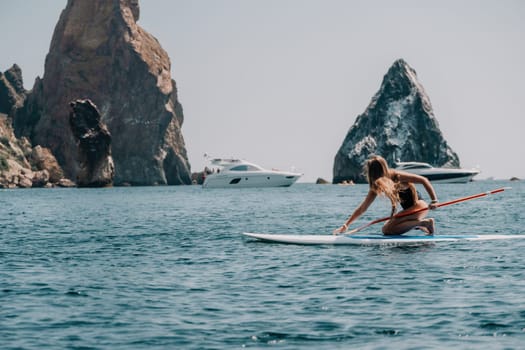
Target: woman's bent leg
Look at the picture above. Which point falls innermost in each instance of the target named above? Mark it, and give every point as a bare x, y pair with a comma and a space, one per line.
398, 226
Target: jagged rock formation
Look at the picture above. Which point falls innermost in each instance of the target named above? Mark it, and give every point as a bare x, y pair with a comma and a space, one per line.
20, 164
23, 166
94, 145
15, 170
398, 124
12, 92
99, 52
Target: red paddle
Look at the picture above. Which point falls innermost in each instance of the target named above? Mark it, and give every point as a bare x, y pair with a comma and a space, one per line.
439, 205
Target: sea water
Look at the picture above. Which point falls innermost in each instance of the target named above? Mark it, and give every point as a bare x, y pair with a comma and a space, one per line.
168, 268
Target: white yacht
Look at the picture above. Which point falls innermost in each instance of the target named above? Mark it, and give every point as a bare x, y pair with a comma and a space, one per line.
237, 173
439, 175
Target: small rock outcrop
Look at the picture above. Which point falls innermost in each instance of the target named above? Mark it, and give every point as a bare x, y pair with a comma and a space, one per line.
398, 124
198, 178
99, 52
93, 139
321, 181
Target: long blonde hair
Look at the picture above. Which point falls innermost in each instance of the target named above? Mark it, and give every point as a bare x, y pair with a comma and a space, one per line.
380, 180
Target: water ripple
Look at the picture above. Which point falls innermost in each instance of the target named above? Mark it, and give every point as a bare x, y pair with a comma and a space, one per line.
166, 267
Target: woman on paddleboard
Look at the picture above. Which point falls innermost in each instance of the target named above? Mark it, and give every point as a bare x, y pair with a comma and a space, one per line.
398, 186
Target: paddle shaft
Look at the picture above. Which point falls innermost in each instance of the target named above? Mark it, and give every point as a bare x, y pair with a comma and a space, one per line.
438, 205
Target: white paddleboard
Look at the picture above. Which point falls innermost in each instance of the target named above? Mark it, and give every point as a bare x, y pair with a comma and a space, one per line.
371, 239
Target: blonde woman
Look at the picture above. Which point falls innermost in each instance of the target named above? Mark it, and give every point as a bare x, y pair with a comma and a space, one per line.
398, 186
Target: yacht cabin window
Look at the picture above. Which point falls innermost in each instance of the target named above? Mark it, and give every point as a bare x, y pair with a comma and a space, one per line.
245, 167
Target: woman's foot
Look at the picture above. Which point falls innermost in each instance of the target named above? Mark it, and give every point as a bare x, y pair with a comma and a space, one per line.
427, 226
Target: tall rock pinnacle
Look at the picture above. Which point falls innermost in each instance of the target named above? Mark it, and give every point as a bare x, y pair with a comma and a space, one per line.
398, 124
98, 52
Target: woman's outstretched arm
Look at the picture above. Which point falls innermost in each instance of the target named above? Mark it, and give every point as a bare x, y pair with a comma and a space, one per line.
370, 197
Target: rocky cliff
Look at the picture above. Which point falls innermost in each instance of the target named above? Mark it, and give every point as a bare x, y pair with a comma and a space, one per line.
21, 165
398, 124
98, 52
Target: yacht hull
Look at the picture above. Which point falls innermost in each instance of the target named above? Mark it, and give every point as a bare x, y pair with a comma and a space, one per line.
449, 177
250, 180
438, 175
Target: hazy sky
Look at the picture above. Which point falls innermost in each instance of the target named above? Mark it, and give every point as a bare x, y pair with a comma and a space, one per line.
280, 82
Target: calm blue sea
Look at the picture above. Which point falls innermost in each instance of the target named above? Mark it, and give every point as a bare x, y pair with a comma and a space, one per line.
167, 268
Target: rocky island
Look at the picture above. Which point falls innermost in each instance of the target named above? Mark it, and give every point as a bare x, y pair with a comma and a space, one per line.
98, 52
398, 124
